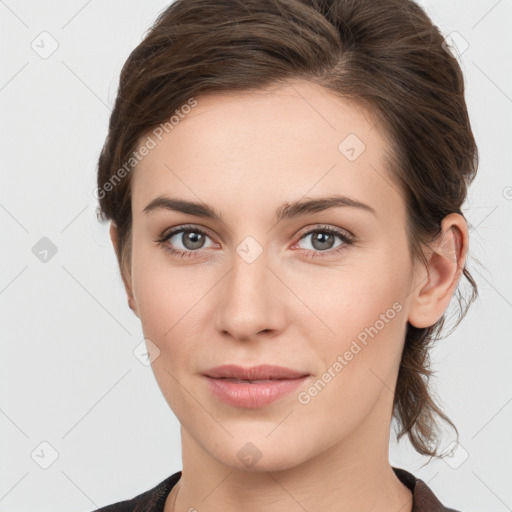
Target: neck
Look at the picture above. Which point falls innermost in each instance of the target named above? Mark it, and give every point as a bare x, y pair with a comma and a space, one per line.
353, 475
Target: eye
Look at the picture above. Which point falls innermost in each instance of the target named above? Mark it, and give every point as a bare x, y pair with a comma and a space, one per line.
322, 240
191, 239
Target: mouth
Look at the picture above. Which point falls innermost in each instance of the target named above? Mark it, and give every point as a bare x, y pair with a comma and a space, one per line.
250, 381
263, 372
254, 387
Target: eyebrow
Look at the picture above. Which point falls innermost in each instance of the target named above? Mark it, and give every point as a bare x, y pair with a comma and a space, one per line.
285, 211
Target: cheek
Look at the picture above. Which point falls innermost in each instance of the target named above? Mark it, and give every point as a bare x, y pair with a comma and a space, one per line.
366, 316
157, 301
358, 297
168, 304
161, 292
171, 302
360, 361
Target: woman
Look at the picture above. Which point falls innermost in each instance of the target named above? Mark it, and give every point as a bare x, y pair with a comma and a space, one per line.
284, 181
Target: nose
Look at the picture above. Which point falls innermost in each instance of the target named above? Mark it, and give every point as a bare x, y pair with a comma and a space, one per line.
250, 299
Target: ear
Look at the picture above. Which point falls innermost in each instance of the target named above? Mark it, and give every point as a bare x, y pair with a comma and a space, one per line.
435, 284
114, 236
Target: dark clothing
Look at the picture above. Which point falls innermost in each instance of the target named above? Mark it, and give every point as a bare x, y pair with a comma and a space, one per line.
153, 500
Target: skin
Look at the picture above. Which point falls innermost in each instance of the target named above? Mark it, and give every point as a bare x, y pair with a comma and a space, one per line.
246, 154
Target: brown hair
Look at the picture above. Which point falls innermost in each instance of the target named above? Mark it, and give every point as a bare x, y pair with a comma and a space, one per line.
386, 55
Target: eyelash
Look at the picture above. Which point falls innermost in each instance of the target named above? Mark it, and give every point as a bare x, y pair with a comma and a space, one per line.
345, 237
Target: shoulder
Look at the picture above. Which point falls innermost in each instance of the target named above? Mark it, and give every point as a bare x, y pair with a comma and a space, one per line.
424, 498
152, 500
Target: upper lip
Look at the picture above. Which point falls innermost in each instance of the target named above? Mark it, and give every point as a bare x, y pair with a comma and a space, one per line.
260, 372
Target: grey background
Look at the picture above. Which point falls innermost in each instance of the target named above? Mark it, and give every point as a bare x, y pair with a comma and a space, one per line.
68, 375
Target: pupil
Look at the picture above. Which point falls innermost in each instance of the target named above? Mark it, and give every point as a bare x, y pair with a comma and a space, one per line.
194, 239
322, 239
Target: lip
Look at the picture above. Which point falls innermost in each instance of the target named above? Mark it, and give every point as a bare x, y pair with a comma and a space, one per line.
260, 372
278, 381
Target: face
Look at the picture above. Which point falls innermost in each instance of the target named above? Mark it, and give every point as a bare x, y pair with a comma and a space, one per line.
321, 290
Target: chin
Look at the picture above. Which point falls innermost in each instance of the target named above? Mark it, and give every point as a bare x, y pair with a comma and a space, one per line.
259, 456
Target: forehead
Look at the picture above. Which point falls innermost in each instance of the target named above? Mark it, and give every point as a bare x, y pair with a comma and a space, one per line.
261, 147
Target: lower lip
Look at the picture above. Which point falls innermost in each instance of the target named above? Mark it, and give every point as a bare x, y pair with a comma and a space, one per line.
252, 396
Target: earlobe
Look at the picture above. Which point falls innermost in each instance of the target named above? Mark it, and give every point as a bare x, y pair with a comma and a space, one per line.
434, 288
131, 305
126, 280
113, 237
